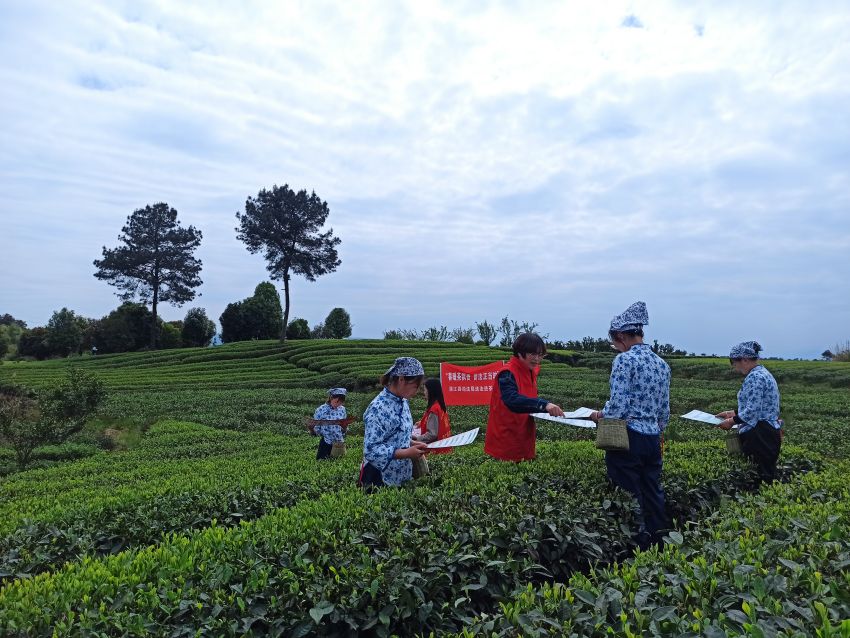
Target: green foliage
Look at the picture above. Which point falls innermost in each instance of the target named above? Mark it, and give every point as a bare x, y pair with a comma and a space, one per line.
298, 329
5, 342
284, 226
170, 335
487, 332
156, 262
33, 343
65, 332
125, 329
257, 317
337, 324
198, 330
223, 532
511, 329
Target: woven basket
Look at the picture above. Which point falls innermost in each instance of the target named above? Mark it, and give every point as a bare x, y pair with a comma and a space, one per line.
420, 467
337, 449
612, 435
733, 443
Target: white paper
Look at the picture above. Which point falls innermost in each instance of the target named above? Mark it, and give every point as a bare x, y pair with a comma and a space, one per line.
581, 423
464, 438
581, 413
704, 417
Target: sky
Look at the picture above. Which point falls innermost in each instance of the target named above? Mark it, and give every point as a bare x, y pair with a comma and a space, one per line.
547, 161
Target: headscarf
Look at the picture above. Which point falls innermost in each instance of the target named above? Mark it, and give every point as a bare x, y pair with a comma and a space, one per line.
337, 392
632, 318
406, 367
745, 350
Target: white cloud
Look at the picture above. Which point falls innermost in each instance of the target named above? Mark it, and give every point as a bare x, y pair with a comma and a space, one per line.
478, 161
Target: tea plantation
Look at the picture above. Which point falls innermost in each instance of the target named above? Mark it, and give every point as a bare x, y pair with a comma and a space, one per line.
218, 520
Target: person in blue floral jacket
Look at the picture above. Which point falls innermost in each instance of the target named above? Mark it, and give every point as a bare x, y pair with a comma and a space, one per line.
757, 415
640, 395
332, 424
388, 447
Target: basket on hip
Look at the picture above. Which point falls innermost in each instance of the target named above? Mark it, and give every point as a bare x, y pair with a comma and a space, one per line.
420, 467
733, 443
612, 435
337, 449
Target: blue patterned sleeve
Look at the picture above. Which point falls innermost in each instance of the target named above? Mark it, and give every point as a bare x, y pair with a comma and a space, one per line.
664, 418
617, 407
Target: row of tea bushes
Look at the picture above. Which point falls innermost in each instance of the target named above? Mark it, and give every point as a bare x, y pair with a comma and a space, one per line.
399, 561
184, 475
776, 563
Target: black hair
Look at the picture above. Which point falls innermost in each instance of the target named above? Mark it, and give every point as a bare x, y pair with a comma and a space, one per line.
435, 393
635, 332
341, 397
528, 343
387, 379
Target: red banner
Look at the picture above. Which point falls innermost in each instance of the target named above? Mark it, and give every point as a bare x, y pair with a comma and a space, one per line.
464, 385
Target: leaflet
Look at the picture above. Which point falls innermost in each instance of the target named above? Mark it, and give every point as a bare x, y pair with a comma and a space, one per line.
580, 423
464, 438
704, 417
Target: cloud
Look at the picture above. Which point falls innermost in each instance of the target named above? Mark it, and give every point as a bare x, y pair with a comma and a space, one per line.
537, 161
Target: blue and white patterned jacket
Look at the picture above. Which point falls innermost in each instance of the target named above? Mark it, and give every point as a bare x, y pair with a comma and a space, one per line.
640, 390
330, 433
758, 400
388, 426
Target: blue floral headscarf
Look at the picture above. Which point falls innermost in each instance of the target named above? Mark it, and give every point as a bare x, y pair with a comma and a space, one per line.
337, 392
632, 318
406, 367
745, 350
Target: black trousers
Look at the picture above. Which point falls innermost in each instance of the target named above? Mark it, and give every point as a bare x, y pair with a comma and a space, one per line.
370, 478
761, 445
638, 471
324, 451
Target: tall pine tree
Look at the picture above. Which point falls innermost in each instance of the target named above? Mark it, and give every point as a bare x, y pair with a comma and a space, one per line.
284, 226
156, 262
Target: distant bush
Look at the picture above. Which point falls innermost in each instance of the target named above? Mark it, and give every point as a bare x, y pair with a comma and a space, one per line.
198, 330
298, 329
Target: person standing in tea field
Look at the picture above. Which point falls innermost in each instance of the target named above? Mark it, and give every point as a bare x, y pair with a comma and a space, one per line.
332, 422
640, 395
388, 448
757, 416
434, 424
511, 433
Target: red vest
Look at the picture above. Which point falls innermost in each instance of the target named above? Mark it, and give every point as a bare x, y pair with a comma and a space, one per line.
444, 430
511, 436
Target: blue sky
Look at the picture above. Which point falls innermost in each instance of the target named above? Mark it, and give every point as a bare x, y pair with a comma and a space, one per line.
548, 161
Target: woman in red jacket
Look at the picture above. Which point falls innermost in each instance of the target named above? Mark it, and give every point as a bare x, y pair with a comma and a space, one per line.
511, 434
434, 425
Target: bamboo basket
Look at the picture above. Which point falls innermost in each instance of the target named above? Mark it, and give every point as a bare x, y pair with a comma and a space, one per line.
337, 449
733, 442
612, 435
420, 467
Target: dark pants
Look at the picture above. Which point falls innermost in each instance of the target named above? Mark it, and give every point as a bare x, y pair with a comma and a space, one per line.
324, 451
638, 471
370, 478
761, 445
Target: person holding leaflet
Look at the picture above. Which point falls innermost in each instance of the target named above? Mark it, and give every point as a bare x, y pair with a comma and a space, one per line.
511, 432
757, 416
388, 447
640, 395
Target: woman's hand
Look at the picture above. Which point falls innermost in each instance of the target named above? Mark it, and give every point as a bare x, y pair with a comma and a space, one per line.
554, 410
416, 450
725, 414
727, 423
596, 416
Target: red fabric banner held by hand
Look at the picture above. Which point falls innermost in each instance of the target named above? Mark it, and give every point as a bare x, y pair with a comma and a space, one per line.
465, 385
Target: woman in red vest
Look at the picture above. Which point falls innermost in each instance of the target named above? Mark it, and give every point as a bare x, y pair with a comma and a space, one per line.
511, 434
434, 425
